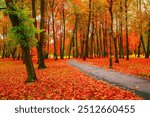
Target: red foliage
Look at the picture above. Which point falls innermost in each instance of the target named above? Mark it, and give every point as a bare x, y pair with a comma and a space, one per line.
58, 81
135, 66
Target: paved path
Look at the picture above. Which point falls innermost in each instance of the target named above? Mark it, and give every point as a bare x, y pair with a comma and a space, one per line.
139, 86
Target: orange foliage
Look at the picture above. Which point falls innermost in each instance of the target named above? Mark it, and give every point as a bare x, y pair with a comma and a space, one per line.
58, 81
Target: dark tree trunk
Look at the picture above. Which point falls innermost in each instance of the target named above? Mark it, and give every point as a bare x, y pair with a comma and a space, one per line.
18, 57
54, 34
97, 41
77, 52
141, 28
41, 64
73, 35
61, 42
142, 42
116, 51
127, 38
88, 31
14, 53
64, 32
139, 49
4, 44
115, 44
121, 52
82, 37
104, 40
116, 41
111, 33
100, 38
70, 46
139, 8
25, 50
48, 47
35, 21
73, 44
92, 41
34, 13
92, 49
29, 65
3, 53
104, 28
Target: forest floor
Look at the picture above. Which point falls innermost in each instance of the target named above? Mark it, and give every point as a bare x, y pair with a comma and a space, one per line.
59, 81
135, 66
133, 83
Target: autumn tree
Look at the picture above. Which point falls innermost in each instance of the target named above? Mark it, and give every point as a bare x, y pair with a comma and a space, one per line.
53, 5
121, 51
74, 38
88, 31
23, 31
111, 30
41, 64
127, 38
63, 18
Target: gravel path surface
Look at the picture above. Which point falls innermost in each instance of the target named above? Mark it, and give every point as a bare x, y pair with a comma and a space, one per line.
135, 84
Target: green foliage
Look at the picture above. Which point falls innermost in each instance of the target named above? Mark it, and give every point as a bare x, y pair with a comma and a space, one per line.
24, 32
11, 44
2, 4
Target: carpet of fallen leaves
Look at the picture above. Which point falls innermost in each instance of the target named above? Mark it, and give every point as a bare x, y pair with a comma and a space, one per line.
135, 66
58, 82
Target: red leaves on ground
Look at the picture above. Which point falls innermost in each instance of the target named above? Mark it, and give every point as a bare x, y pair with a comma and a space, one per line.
58, 81
135, 66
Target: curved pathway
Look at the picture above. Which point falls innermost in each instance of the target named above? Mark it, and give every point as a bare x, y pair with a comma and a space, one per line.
135, 84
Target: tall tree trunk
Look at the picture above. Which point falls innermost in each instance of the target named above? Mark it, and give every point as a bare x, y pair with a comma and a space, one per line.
70, 46
62, 27
35, 21
111, 33
142, 42
73, 35
4, 45
25, 49
116, 51
41, 64
100, 39
48, 47
115, 45
127, 38
92, 35
61, 41
104, 39
54, 33
141, 28
77, 52
82, 43
29, 65
88, 31
73, 45
97, 40
34, 12
92, 40
64, 31
121, 52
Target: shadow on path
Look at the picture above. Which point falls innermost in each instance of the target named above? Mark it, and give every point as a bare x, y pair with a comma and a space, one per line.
135, 84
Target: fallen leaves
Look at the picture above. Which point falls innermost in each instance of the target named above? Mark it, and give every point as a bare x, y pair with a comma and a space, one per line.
58, 82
